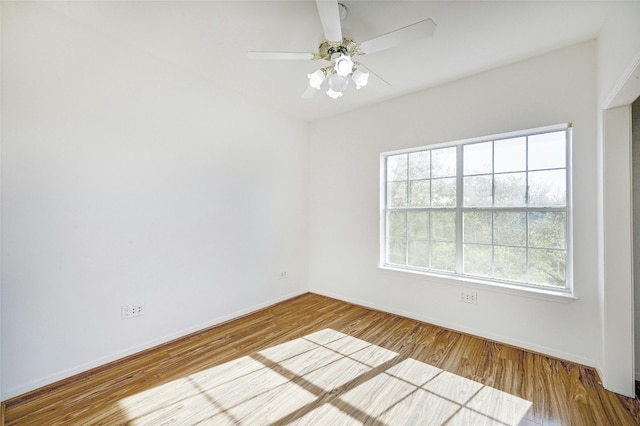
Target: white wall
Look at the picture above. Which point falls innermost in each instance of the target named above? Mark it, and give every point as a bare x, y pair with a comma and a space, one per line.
618, 48
0, 211
344, 200
617, 344
619, 54
635, 155
127, 179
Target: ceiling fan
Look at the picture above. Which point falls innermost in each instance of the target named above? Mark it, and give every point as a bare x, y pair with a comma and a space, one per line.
340, 49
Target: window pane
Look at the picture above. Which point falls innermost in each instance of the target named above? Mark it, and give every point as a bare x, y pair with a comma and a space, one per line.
510, 263
512, 196
419, 253
548, 267
418, 224
510, 190
547, 230
443, 226
509, 228
477, 227
510, 155
547, 151
443, 192
419, 193
547, 188
443, 256
397, 224
443, 162
397, 167
477, 191
478, 158
478, 259
397, 194
397, 251
419, 167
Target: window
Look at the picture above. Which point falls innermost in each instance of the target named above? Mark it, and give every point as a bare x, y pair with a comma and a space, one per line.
495, 209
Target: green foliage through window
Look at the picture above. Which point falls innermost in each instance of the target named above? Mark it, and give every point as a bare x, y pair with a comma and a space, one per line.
494, 208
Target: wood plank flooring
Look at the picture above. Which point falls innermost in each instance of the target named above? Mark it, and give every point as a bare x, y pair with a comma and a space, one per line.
315, 360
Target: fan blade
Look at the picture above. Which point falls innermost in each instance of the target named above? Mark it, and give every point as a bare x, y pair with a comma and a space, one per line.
309, 92
377, 81
280, 55
409, 33
330, 17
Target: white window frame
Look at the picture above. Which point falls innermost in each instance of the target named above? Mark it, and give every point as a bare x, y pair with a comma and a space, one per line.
568, 290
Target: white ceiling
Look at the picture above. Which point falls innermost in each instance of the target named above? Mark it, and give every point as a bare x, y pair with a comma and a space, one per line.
211, 38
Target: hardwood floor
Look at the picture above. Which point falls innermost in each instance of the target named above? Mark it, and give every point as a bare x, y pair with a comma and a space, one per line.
316, 360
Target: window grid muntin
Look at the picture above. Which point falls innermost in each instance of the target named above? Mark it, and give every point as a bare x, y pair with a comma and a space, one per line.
460, 209
527, 244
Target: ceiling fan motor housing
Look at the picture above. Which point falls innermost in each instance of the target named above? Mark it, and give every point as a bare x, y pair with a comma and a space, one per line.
347, 47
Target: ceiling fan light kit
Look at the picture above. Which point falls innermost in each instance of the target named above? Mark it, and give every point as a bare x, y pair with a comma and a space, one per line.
317, 78
338, 74
339, 50
360, 77
343, 64
343, 68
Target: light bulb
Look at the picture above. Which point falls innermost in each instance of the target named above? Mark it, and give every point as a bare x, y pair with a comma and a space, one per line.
343, 65
338, 83
316, 79
333, 94
360, 78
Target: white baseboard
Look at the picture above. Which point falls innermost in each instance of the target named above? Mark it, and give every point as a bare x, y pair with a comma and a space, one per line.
44, 381
468, 330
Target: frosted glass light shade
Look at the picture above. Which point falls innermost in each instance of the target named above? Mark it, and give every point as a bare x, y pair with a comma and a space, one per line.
360, 78
333, 94
316, 78
338, 83
343, 65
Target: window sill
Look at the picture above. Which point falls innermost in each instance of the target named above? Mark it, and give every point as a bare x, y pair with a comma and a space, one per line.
468, 282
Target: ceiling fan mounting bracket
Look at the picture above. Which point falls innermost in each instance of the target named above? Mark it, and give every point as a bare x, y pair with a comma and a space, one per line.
347, 47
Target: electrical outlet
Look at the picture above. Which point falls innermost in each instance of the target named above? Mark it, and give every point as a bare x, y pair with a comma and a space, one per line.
138, 310
282, 275
469, 296
131, 311
126, 312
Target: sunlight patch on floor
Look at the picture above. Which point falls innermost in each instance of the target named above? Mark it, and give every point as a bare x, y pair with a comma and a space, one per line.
324, 378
